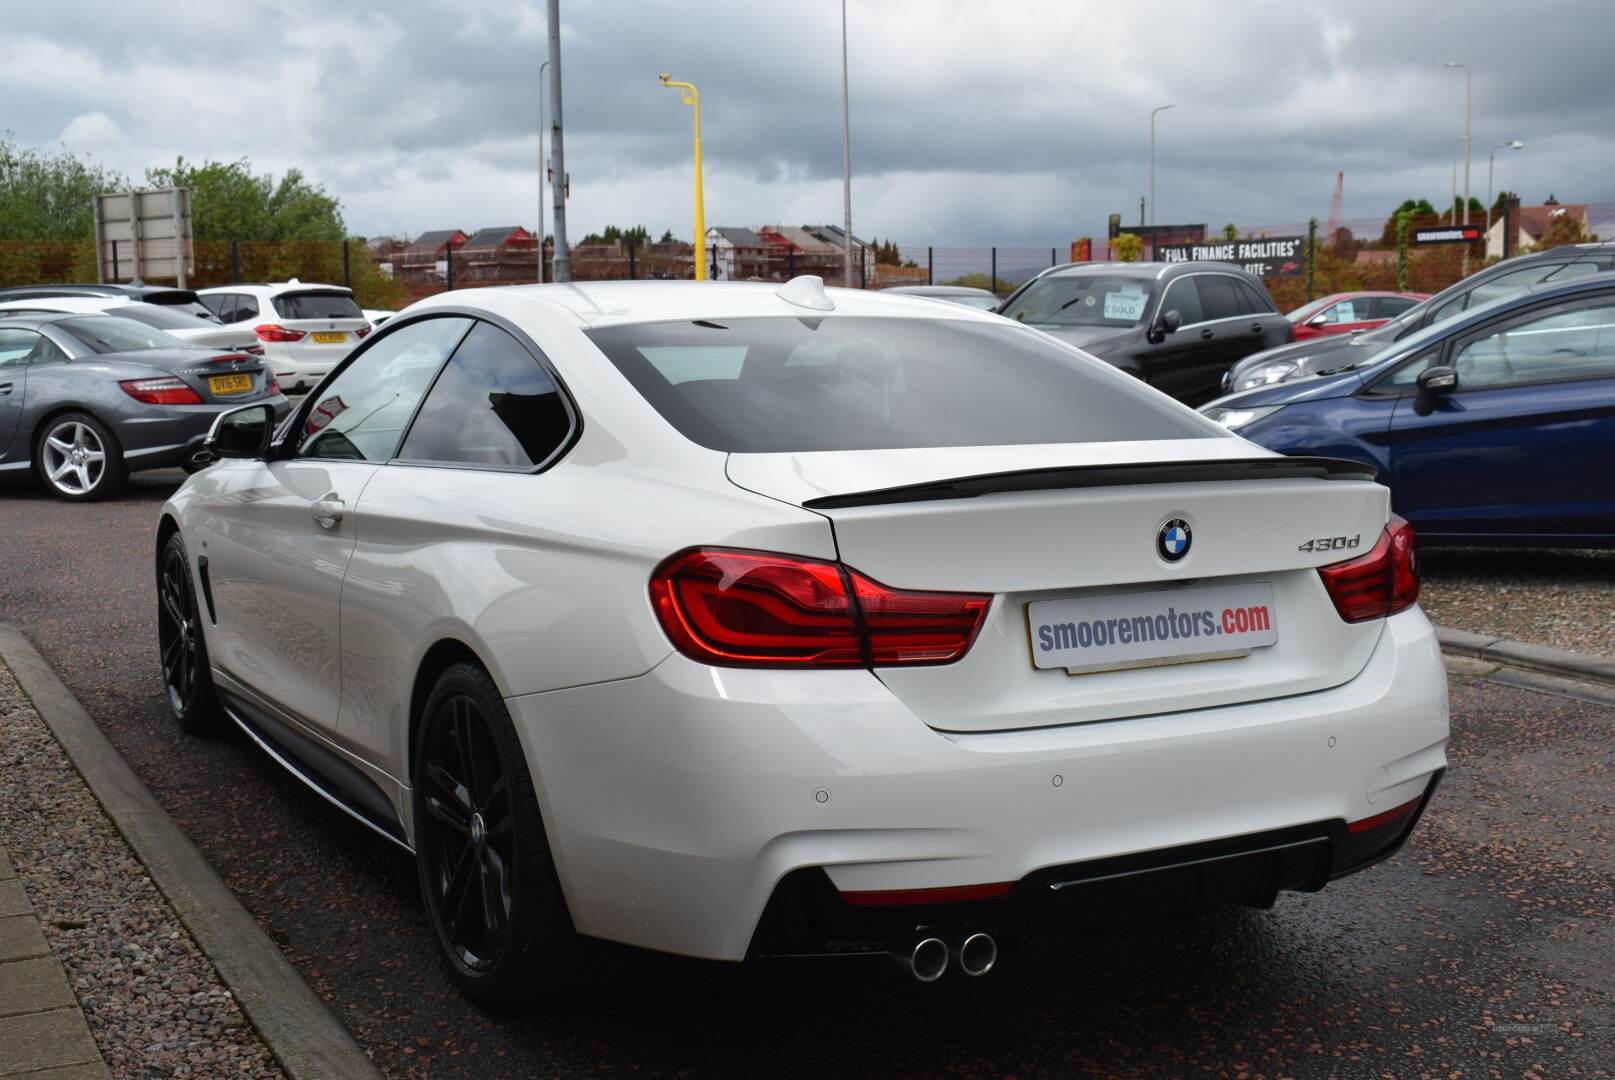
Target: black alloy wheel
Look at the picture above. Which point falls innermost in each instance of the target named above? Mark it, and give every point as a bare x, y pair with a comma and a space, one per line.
183, 652
486, 872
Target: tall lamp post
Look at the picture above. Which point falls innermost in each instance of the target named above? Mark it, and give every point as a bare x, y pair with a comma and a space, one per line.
1468, 112
692, 97
1153, 112
846, 158
562, 265
1456, 143
541, 69
1491, 161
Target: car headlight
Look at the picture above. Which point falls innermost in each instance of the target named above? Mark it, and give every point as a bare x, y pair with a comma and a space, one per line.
1267, 374
1236, 418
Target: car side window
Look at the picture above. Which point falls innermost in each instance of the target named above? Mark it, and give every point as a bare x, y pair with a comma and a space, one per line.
17, 347
494, 405
1343, 312
246, 307
1255, 302
1219, 298
1389, 307
1566, 344
361, 414
1502, 285
1182, 297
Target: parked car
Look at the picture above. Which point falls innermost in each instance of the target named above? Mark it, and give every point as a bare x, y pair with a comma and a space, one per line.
984, 299
1349, 313
1501, 279
305, 329
87, 399
1493, 426
1177, 326
377, 316
738, 620
179, 299
188, 328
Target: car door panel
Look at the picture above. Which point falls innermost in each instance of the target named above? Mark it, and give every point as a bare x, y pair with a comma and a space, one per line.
275, 571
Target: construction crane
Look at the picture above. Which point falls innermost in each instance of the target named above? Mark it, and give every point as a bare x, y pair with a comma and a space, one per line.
1334, 208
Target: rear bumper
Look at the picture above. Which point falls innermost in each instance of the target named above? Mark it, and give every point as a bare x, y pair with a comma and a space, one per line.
679, 802
164, 437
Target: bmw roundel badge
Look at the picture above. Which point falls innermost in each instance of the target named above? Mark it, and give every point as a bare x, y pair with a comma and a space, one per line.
1173, 540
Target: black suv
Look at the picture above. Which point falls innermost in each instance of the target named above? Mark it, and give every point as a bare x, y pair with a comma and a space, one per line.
1348, 350
1177, 326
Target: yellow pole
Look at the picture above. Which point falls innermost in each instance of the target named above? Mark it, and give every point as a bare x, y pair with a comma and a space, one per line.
692, 98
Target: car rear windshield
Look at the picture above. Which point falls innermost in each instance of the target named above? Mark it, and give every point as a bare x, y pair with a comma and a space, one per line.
317, 305
180, 300
785, 385
107, 334
162, 317
1081, 300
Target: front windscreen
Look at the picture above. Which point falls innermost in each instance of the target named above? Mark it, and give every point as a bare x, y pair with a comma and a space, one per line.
1082, 300
784, 385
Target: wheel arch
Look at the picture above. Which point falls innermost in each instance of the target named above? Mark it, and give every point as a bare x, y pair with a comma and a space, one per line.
55, 412
443, 654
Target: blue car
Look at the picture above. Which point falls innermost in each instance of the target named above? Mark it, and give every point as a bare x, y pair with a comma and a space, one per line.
1494, 427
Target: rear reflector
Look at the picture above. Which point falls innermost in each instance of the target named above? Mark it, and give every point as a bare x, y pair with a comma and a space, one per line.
165, 391
1381, 583
757, 609
272, 332
1380, 820
953, 894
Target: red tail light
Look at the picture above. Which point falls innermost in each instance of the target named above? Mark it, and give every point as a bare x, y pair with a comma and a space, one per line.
362, 331
164, 391
1381, 583
255, 350
274, 383
272, 332
755, 609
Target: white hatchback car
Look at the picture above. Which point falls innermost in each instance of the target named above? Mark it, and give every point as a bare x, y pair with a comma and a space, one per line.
732, 621
305, 329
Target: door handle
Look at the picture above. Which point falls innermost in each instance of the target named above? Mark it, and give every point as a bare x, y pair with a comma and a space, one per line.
327, 512
5, 388
1207, 335
1256, 328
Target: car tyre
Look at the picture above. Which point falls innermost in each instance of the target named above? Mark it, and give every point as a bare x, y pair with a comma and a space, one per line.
182, 649
487, 876
78, 459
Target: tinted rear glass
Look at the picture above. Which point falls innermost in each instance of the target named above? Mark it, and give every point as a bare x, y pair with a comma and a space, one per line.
106, 334
161, 316
317, 305
783, 385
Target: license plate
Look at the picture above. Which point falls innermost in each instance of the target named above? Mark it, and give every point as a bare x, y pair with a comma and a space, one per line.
229, 384
1149, 629
330, 337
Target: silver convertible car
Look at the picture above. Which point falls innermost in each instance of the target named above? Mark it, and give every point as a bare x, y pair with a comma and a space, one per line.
87, 399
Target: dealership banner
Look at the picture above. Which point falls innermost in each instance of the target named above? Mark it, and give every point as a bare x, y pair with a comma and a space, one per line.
1271, 256
1448, 234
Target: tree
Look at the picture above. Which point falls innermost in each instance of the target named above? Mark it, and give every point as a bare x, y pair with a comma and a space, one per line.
1230, 232
635, 237
668, 237
1128, 247
1502, 201
46, 194
229, 202
1564, 230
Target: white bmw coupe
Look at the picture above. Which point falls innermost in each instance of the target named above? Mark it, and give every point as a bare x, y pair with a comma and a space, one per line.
744, 620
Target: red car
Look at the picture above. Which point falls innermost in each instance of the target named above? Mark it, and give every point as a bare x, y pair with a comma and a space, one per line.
1348, 312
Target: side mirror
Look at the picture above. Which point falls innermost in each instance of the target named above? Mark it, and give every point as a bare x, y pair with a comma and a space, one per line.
1434, 382
239, 433
1321, 319
1167, 323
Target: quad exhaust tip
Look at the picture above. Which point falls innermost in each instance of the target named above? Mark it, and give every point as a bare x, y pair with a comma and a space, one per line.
976, 955
928, 960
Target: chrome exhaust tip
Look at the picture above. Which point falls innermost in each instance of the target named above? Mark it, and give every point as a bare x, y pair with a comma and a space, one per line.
927, 960
977, 954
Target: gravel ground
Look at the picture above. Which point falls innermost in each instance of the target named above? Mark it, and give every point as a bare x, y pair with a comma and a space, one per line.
1565, 599
154, 1002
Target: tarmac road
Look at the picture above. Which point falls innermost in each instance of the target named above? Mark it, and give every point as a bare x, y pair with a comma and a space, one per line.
1484, 948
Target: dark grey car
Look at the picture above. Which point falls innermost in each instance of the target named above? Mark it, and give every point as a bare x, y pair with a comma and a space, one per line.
1177, 326
87, 399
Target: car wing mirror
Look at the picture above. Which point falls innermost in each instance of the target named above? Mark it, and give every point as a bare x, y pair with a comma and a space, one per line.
1319, 320
1434, 382
238, 433
1166, 323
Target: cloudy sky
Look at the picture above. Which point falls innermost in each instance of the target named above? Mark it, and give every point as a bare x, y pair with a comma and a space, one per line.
972, 122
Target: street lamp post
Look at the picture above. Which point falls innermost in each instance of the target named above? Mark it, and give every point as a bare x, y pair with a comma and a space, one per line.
562, 266
1468, 112
1153, 112
541, 69
1456, 143
846, 158
1491, 161
692, 97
